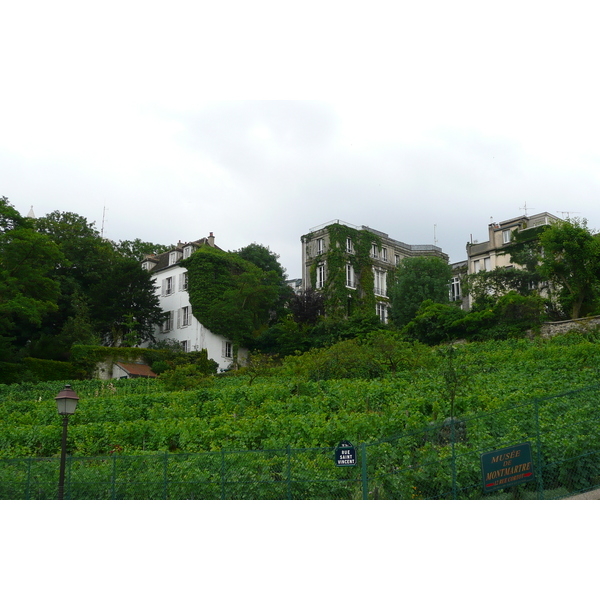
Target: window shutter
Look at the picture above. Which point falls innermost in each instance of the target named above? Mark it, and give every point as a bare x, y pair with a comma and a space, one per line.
164, 287
178, 318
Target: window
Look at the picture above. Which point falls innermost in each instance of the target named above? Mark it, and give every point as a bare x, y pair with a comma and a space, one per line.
187, 252
183, 282
320, 246
350, 276
374, 251
455, 289
397, 259
487, 264
379, 282
172, 258
320, 276
384, 254
381, 310
167, 286
185, 346
506, 236
184, 317
476, 266
227, 350
167, 323
349, 246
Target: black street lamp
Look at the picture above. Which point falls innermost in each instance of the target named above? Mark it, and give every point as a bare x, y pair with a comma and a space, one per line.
66, 402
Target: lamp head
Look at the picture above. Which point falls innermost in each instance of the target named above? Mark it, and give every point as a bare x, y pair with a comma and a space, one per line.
66, 401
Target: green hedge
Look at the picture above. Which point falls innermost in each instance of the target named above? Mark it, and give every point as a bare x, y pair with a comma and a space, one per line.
52, 370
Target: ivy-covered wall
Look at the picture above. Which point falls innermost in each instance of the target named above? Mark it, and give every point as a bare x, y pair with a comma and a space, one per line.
230, 296
340, 301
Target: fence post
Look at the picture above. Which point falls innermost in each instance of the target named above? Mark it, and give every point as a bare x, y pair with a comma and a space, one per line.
27, 487
452, 440
289, 472
539, 450
222, 473
365, 480
165, 465
69, 463
113, 491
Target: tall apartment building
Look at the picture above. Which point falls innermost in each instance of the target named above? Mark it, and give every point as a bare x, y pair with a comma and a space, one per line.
171, 284
493, 253
349, 263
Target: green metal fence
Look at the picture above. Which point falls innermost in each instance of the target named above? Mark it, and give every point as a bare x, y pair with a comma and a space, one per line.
442, 461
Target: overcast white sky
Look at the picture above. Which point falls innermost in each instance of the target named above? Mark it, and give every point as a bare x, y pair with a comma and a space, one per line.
259, 120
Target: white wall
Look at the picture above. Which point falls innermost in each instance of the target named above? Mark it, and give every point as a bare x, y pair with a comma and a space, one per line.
195, 334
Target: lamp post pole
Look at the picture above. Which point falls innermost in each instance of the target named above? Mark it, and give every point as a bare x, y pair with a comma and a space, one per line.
63, 460
66, 402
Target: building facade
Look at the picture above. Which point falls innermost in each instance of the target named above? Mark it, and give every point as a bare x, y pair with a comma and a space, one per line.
494, 253
351, 265
171, 283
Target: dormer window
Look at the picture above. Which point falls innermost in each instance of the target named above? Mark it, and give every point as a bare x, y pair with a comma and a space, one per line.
173, 258
506, 236
187, 251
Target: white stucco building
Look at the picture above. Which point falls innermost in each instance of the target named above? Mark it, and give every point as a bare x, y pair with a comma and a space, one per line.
171, 283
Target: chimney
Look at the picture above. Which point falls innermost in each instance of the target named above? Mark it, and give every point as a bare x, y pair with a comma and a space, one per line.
211, 240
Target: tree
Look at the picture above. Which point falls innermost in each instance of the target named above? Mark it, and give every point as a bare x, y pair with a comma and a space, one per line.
418, 279
486, 287
263, 258
268, 261
570, 261
28, 291
307, 306
229, 295
100, 289
138, 249
125, 305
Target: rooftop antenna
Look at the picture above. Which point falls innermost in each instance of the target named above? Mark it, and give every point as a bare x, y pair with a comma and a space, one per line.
568, 213
525, 208
102, 229
434, 236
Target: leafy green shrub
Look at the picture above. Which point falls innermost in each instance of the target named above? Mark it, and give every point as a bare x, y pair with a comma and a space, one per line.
52, 370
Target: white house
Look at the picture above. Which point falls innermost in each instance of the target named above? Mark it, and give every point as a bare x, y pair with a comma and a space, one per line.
171, 284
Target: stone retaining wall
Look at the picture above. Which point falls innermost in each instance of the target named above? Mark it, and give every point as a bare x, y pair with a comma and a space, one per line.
548, 330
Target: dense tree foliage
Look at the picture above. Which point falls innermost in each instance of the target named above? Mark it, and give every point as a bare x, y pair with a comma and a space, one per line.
61, 283
418, 279
137, 249
229, 295
102, 290
28, 290
266, 260
570, 260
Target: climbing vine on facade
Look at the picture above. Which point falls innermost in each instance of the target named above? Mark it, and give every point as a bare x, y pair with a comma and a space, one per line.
353, 247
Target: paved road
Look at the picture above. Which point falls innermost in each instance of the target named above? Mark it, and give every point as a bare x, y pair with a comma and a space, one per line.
593, 495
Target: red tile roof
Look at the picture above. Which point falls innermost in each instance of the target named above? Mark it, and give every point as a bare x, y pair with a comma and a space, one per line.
137, 370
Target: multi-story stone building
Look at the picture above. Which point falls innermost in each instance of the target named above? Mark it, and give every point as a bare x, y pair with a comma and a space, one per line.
171, 283
485, 256
351, 265
493, 253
